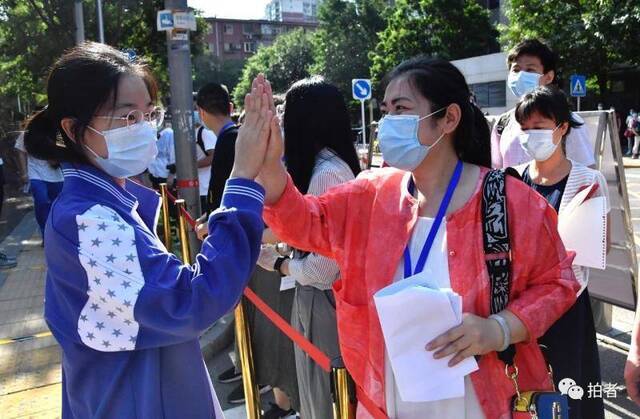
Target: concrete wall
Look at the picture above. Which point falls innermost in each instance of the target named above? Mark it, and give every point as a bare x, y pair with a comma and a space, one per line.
487, 68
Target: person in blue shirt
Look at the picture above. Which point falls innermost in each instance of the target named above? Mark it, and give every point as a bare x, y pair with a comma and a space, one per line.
127, 313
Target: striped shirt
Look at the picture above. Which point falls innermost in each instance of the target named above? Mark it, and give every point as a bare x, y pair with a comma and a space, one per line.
315, 270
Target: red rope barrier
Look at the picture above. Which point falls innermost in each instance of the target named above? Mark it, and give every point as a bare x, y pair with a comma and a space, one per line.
186, 214
316, 354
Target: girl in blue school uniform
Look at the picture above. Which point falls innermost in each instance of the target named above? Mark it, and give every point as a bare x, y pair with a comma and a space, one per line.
126, 312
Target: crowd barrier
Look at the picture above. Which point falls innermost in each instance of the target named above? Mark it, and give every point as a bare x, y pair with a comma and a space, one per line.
342, 386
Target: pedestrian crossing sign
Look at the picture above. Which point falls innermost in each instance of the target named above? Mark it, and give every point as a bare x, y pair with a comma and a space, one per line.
578, 85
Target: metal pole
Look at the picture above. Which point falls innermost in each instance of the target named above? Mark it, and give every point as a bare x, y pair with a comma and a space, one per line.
166, 219
578, 103
183, 233
343, 393
79, 20
182, 118
100, 22
364, 124
243, 340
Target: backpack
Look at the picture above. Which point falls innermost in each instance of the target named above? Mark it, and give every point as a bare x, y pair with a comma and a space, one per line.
200, 141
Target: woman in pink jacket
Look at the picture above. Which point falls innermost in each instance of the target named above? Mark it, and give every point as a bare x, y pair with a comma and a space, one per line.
376, 228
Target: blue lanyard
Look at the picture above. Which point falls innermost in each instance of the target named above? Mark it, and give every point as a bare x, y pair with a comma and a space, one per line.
424, 254
226, 127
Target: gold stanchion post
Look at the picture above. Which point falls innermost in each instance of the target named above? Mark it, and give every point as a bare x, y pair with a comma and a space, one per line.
243, 340
183, 232
344, 406
166, 223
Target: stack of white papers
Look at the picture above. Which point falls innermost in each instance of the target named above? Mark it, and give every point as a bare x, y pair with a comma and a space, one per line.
583, 229
411, 315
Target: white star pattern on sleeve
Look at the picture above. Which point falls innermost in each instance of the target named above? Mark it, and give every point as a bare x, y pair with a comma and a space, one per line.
108, 254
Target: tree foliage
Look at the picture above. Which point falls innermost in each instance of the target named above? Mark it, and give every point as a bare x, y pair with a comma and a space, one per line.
284, 62
346, 33
33, 33
450, 29
589, 35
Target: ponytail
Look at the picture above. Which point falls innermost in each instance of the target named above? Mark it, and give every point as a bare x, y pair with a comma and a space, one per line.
472, 142
43, 140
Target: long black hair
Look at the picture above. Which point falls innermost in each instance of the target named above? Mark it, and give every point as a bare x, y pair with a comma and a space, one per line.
80, 82
315, 117
442, 84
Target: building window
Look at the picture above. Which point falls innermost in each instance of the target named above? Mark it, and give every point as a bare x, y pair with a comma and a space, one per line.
490, 95
228, 29
249, 47
228, 47
247, 28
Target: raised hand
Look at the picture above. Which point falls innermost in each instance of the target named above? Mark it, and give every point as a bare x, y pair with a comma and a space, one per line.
253, 136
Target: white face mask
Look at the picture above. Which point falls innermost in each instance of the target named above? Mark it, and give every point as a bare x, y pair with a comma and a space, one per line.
522, 82
130, 149
538, 143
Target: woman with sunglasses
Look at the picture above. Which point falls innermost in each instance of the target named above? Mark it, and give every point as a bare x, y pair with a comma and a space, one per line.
127, 313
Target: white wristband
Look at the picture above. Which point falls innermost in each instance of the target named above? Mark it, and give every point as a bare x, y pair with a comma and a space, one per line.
506, 331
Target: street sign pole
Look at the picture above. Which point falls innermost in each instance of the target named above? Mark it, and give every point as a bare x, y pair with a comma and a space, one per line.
79, 21
100, 22
578, 103
182, 117
364, 123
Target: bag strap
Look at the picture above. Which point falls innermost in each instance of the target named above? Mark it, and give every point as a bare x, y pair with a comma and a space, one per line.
503, 121
199, 140
497, 247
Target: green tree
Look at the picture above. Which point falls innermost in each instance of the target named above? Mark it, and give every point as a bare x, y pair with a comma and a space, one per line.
284, 62
450, 29
589, 36
348, 31
209, 68
33, 33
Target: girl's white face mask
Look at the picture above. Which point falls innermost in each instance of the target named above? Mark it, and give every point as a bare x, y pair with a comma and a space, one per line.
130, 149
538, 143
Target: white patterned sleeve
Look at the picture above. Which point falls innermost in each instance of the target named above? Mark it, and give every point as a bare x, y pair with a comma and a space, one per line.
316, 270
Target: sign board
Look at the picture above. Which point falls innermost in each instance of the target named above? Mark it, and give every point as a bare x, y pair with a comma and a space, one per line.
165, 20
184, 20
361, 89
578, 85
131, 53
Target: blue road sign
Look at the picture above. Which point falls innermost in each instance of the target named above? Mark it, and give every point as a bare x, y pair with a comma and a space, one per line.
578, 85
165, 20
131, 53
361, 89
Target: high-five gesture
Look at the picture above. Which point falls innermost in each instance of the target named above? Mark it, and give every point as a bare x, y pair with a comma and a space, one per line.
253, 136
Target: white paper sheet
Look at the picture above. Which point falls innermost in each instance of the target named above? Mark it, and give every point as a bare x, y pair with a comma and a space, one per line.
412, 314
287, 283
583, 229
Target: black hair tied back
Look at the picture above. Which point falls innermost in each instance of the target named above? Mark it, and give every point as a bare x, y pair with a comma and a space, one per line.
41, 133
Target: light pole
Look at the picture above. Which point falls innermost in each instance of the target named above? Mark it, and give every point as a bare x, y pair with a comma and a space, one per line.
100, 22
79, 20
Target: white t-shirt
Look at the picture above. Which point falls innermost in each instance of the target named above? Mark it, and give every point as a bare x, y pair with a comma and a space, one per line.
436, 267
39, 169
204, 173
166, 154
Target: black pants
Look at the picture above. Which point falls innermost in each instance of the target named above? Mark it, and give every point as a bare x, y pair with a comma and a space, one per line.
571, 348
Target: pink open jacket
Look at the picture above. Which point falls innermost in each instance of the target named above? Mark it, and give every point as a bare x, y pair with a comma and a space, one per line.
365, 225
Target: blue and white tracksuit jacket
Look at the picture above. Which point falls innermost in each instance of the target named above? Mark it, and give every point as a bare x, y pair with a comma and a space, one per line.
126, 312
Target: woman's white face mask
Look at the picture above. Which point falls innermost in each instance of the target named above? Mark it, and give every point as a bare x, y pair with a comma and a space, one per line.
130, 149
538, 143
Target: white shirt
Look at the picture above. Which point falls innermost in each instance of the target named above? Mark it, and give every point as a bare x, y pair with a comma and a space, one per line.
166, 154
204, 173
39, 169
437, 267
